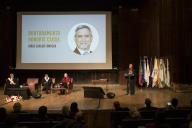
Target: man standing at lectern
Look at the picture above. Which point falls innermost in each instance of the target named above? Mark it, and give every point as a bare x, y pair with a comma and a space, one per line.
131, 80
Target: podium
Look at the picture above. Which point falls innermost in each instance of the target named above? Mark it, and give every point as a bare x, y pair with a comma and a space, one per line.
93, 92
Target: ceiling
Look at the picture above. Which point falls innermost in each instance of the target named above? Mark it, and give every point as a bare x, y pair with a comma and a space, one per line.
63, 5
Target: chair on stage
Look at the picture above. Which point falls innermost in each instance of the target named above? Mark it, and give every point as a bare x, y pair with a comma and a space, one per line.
71, 85
32, 83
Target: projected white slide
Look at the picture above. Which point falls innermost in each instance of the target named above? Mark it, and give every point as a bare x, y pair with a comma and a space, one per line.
51, 41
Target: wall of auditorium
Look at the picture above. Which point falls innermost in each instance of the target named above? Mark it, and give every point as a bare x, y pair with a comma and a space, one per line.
157, 28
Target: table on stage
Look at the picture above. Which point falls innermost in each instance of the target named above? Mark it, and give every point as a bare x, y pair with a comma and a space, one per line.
22, 91
57, 87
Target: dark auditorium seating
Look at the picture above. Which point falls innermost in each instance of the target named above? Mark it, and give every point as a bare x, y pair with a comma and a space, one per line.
177, 113
38, 124
174, 118
148, 114
30, 116
117, 117
176, 122
132, 123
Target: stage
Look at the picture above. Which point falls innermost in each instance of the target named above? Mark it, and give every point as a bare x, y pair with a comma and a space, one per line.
55, 102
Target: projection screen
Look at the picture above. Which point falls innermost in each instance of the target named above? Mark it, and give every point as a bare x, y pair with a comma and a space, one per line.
60, 40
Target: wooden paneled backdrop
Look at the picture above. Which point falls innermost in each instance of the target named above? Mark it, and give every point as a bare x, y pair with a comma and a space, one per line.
161, 28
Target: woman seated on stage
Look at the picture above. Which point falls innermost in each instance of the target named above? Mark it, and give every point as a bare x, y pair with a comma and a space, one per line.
46, 83
66, 83
12, 82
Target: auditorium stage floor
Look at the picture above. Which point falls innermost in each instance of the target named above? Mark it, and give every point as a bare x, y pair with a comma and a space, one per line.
159, 97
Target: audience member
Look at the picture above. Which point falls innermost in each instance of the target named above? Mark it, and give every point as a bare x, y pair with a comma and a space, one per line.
73, 109
80, 121
11, 121
3, 114
148, 106
173, 105
118, 107
42, 113
159, 121
17, 108
66, 122
65, 111
134, 113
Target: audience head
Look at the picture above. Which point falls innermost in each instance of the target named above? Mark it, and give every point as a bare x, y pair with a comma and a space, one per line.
17, 107
65, 111
116, 105
148, 102
42, 110
174, 102
3, 113
74, 107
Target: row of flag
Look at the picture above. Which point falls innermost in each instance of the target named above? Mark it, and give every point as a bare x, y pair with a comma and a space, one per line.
154, 72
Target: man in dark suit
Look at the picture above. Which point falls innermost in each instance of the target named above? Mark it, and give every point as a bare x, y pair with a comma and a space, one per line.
46, 83
83, 39
12, 82
131, 80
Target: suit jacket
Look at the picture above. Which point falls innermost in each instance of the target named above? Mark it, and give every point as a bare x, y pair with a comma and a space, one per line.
9, 85
46, 83
78, 52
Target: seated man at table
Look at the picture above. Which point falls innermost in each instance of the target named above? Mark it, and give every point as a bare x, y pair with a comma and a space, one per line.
46, 83
66, 83
11, 82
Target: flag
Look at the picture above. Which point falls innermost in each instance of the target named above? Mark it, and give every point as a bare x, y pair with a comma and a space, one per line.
167, 80
147, 73
151, 71
158, 77
155, 73
140, 74
162, 74
143, 71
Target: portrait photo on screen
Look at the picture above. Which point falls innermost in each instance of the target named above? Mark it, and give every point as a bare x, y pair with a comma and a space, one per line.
83, 39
